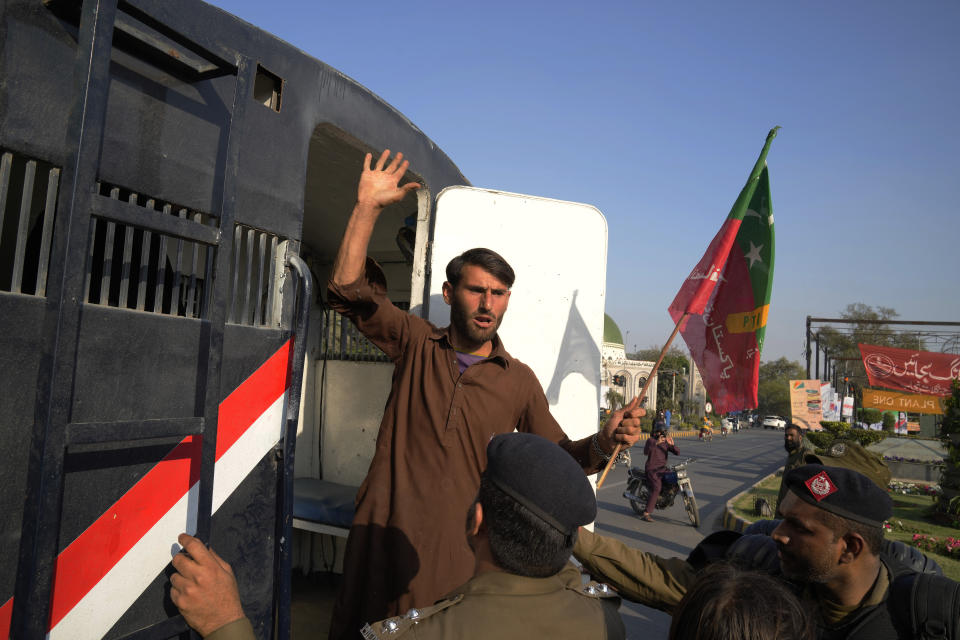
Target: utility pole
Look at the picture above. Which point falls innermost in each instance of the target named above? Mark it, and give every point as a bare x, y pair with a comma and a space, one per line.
817, 338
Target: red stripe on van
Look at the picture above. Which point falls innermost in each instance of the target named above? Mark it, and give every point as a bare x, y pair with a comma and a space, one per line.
87, 559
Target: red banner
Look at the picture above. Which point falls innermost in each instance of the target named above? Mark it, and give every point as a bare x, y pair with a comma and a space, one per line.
908, 370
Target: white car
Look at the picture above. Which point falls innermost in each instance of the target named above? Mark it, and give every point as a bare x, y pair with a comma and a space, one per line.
774, 422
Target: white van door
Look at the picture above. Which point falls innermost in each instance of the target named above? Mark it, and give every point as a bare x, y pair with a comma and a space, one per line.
554, 322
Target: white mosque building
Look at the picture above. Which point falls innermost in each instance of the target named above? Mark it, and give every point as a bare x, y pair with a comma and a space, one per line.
615, 363
635, 373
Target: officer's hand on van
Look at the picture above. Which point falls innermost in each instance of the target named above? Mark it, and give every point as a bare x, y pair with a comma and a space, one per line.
378, 186
622, 427
204, 588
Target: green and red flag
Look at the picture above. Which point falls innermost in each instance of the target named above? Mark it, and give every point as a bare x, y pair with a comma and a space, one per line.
727, 295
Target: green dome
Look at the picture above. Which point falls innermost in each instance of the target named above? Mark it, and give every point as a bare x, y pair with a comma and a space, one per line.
611, 332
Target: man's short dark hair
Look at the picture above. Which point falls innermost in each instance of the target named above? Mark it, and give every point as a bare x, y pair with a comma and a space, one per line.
490, 261
522, 542
729, 603
794, 427
872, 536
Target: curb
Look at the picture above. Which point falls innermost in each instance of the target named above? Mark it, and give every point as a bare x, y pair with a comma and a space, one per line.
730, 519
689, 433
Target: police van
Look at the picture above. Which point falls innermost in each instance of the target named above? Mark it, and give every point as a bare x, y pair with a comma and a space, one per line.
174, 184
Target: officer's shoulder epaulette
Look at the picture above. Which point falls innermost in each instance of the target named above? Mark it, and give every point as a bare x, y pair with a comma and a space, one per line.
597, 590
396, 626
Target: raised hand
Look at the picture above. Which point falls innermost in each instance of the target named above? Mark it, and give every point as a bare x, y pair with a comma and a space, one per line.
379, 186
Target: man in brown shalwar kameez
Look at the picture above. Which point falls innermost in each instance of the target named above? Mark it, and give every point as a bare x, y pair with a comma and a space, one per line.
453, 389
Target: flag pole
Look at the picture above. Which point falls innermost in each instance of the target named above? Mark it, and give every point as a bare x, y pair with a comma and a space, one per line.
643, 393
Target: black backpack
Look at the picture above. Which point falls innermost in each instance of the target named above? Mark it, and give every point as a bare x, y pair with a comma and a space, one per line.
925, 603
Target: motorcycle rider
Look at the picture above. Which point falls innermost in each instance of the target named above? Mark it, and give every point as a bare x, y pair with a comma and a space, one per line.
659, 445
706, 429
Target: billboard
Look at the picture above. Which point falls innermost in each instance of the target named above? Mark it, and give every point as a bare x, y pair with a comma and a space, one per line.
806, 406
829, 401
847, 406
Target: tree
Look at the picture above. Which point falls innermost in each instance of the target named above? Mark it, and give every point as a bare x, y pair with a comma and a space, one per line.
773, 389
869, 327
673, 370
871, 416
889, 422
949, 503
614, 399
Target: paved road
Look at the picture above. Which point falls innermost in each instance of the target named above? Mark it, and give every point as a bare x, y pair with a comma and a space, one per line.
724, 468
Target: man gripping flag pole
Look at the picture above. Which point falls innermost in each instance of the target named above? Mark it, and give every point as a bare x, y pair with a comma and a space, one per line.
721, 308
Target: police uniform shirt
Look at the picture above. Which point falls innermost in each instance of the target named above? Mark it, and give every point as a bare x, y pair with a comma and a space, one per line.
511, 607
641, 577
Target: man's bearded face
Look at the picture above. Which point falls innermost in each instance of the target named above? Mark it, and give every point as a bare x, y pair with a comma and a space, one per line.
791, 440
808, 548
477, 304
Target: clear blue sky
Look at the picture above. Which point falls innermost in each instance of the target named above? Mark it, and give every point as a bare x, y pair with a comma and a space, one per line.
655, 112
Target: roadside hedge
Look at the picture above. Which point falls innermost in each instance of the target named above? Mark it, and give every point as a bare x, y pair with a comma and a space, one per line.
833, 430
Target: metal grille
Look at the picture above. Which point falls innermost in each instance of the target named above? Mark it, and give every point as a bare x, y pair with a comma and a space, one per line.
133, 268
254, 276
340, 340
28, 202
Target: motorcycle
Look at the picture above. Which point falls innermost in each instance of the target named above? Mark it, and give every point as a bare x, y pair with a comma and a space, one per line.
675, 481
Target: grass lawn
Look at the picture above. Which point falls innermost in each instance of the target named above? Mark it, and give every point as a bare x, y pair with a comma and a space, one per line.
768, 489
907, 519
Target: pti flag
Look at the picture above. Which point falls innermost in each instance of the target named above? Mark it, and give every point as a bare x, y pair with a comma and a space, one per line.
727, 296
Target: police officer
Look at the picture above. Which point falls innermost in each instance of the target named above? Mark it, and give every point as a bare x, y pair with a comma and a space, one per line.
828, 546
797, 447
522, 527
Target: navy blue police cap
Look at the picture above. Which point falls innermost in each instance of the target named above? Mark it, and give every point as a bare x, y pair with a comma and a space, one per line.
843, 492
544, 478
